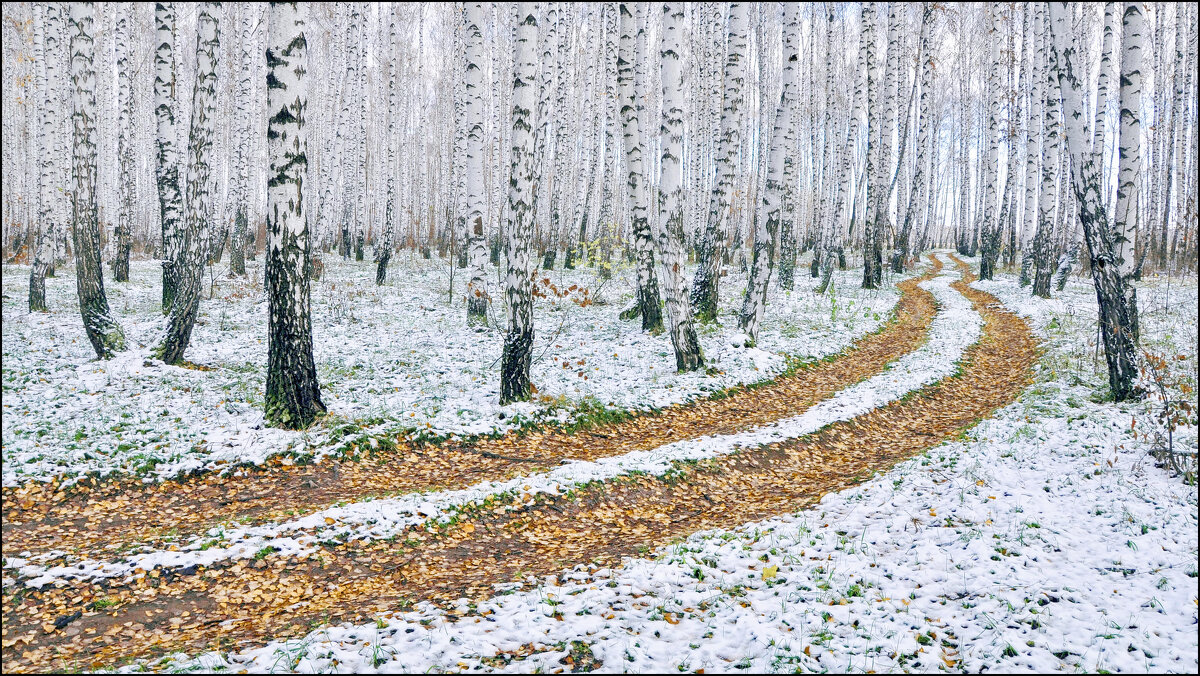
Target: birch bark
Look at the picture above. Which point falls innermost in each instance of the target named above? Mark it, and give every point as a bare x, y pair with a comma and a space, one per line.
102, 330
293, 395
518, 342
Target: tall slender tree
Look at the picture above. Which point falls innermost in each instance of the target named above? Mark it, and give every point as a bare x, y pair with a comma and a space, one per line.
241, 187
647, 304
1110, 249
670, 235
787, 223
47, 38
879, 223
990, 224
903, 239
1051, 141
873, 173
518, 342
705, 285
197, 225
766, 228
1033, 132
170, 203
1100, 127
125, 159
476, 189
293, 395
102, 330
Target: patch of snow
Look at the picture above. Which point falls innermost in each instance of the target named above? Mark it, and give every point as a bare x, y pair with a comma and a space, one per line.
395, 357
954, 328
1044, 541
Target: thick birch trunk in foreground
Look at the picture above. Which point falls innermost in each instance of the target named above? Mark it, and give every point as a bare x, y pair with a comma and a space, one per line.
705, 286
170, 204
670, 194
293, 395
647, 283
518, 342
1110, 248
475, 198
1129, 160
102, 330
189, 267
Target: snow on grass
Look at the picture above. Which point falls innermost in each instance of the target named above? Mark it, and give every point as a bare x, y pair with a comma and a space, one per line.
1043, 540
955, 327
388, 358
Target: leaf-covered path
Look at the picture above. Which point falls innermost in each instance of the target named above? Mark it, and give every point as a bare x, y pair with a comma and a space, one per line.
97, 521
235, 604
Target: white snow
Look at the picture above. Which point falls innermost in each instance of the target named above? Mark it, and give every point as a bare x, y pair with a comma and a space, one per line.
955, 327
1045, 540
389, 358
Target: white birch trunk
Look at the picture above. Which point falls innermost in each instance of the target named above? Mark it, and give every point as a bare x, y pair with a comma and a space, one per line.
688, 356
1114, 292
772, 199
706, 285
102, 330
197, 226
293, 396
647, 302
473, 111
170, 203
518, 342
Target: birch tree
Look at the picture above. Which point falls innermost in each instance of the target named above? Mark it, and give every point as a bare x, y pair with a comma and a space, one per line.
903, 239
47, 31
787, 229
1033, 133
765, 228
990, 227
102, 330
670, 235
170, 204
1100, 127
876, 227
873, 175
1110, 249
647, 303
1051, 139
242, 116
293, 395
125, 168
383, 250
189, 267
476, 189
705, 286
857, 130
518, 342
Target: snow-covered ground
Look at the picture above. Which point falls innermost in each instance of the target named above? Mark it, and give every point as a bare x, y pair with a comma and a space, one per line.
388, 358
955, 327
1044, 540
